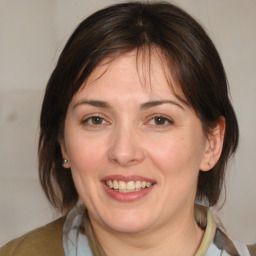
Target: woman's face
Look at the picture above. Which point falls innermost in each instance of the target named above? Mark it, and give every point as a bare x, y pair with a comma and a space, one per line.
134, 149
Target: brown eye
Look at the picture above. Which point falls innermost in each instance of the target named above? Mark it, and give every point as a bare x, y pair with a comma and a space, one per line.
160, 120
97, 120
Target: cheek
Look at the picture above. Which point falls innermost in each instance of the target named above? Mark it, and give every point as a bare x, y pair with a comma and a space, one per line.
178, 156
85, 155
86, 159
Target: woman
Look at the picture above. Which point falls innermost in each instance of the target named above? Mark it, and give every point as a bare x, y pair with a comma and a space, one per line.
136, 125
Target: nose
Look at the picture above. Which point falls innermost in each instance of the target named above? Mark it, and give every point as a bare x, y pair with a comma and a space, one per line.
125, 147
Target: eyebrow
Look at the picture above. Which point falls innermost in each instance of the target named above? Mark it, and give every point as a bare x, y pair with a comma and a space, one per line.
94, 103
155, 103
144, 106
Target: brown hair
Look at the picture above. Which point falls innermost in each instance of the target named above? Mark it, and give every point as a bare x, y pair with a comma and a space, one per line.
191, 59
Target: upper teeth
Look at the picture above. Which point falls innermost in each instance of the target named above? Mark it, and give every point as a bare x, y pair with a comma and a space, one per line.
129, 186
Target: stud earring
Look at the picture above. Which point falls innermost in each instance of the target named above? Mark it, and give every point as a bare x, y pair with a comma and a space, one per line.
64, 161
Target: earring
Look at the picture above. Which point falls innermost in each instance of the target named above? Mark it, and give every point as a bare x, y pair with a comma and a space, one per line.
64, 161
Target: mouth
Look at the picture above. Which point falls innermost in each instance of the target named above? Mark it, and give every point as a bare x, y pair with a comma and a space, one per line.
128, 187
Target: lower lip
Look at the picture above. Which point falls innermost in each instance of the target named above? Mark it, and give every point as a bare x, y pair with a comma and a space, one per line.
127, 197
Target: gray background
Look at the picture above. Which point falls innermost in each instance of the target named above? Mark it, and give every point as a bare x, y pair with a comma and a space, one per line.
32, 34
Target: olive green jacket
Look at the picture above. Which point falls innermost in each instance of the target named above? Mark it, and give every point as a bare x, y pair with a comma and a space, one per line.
43, 241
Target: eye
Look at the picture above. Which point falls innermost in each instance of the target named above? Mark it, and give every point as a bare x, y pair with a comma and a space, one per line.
95, 121
160, 121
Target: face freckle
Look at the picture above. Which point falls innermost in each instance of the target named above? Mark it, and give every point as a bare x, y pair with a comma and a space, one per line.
128, 147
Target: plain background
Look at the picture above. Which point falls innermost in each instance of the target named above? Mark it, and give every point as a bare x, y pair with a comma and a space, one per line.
32, 34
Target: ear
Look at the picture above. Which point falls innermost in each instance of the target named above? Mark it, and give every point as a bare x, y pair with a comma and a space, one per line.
214, 146
65, 160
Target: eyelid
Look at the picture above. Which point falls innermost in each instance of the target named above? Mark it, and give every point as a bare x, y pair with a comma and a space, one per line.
90, 116
166, 118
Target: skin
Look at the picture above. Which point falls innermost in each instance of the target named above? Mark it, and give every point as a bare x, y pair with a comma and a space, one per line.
124, 136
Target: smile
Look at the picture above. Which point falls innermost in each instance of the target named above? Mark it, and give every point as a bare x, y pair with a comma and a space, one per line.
128, 187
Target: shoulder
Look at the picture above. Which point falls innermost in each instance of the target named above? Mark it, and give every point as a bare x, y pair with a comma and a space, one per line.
252, 249
223, 242
215, 240
46, 240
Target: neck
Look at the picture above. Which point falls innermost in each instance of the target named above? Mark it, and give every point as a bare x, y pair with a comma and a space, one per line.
166, 239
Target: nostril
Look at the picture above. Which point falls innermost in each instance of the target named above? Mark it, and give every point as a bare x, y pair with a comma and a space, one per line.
125, 151
124, 162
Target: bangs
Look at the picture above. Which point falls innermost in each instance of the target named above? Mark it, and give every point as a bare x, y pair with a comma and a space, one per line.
145, 56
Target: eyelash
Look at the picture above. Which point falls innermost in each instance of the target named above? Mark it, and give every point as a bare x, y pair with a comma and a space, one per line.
163, 118
89, 121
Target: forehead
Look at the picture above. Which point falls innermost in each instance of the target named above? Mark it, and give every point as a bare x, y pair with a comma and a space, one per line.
144, 72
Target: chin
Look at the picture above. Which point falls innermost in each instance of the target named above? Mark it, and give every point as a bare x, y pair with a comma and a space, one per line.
128, 227
129, 222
